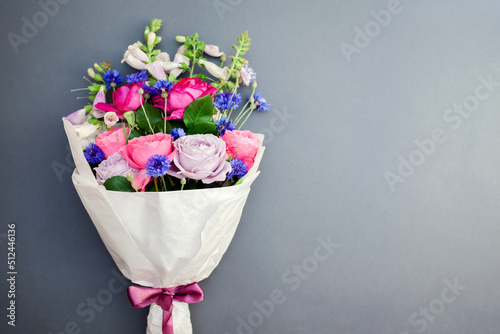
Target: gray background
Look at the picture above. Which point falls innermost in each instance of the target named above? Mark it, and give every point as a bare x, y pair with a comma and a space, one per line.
346, 125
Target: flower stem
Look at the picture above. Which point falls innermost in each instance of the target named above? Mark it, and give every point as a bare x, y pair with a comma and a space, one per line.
147, 118
165, 119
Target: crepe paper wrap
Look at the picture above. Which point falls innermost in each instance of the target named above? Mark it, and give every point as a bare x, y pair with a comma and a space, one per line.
141, 297
162, 239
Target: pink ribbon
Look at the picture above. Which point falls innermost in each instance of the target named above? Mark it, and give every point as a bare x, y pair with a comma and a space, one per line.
141, 297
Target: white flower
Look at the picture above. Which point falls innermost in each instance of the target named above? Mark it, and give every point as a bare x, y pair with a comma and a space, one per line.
173, 67
215, 70
156, 70
135, 57
110, 119
77, 117
87, 133
99, 97
213, 50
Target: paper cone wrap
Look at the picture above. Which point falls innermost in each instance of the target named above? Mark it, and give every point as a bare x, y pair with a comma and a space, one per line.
162, 239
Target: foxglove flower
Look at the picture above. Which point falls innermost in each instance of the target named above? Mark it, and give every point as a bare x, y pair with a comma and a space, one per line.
213, 50
135, 57
215, 70
247, 75
110, 119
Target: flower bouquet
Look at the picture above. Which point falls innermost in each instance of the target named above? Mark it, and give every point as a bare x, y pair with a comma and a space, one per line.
163, 170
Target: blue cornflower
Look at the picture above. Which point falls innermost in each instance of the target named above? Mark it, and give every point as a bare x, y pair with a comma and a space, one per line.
93, 154
137, 77
226, 101
157, 165
150, 90
261, 102
112, 76
224, 125
177, 133
163, 84
238, 168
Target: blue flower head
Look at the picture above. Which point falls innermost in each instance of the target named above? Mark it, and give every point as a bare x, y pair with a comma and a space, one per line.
137, 77
227, 100
224, 125
93, 154
177, 133
238, 168
112, 76
157, 165
163, 84
150, 90
261, 102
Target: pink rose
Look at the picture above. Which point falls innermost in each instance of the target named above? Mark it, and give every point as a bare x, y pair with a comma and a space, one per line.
138, 151
111, 141
126, 98
243, 145
181, 95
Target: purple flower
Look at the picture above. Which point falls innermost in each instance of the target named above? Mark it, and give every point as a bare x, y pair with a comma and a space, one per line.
200, 157
224, 125
261, 102
114, 165
177, 133
157, 165
226, 101
238, 168
93, 154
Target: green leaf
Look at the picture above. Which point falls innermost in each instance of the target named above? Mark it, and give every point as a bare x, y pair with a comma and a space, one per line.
240, 180
160, 127
130, 117
135, 134
118, 183
177, 123
198, 111
152, 114
202, 128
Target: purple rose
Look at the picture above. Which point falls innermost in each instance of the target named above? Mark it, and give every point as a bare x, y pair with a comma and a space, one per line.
114, 165
200, 157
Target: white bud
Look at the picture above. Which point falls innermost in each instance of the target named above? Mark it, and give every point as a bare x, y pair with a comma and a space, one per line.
151, 38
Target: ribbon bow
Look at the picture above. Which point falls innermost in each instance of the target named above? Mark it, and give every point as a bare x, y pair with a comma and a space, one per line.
141, 297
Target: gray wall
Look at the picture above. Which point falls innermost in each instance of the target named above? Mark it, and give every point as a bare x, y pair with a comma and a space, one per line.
382, 142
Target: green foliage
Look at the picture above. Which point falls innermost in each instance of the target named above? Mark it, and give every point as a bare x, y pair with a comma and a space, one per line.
198, 116
118, 183
147, 117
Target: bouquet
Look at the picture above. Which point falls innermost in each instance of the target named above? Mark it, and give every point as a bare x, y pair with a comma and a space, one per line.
163, 167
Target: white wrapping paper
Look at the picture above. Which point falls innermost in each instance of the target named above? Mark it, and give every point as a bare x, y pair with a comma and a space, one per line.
162, 239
